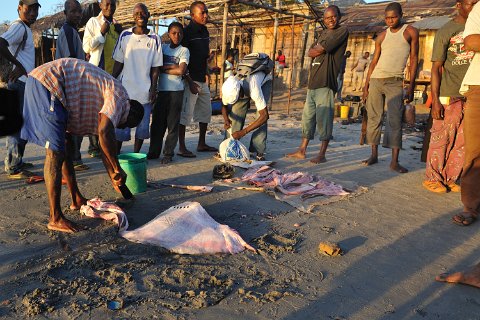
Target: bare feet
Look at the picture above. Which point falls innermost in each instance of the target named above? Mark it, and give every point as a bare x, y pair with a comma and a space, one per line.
64, 225
470, 277
398, 168
370, 161
318, 159
78, 203
299, 154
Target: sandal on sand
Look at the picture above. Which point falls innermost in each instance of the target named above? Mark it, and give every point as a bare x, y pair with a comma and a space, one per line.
24, 174
80, 167
207, 149
464, 219
188, 154
434, 186
34, 179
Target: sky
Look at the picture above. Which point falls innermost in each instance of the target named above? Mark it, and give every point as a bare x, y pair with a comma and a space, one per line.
9, 8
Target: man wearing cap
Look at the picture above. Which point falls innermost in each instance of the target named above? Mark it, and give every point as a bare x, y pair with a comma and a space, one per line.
16, 45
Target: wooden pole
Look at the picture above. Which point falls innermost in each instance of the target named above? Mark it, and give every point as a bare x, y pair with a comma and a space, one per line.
292, 63
224, 41
275, 35
232, 44
240, 44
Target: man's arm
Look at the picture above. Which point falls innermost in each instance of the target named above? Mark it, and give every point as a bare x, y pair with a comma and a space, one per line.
437, 107
19, 69
106, 136
175, 69
472, 42
373, 64
117, 69
92, 38
316, 50
154, 72
413, 61
355, 65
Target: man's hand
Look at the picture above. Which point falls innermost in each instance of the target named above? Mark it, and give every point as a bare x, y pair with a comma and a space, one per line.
104, 28
237, 135
194, 88
118, 179
118, 27
437, 110
227, 124
365, 94
409, 95
152, 95
17, 73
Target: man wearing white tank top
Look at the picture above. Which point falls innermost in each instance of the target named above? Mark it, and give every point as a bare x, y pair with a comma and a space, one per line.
384, 84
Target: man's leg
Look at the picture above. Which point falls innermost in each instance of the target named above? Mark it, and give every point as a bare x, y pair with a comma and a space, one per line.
308, 125
202, 114
160, 112
258, 142
324, 115
94, 147
392, 137
189, 101
339, 86
69, 175
374, 105
15, 145
53, 182
471, 169
142, 131
455, 156
434, 180
470, 277
172, 123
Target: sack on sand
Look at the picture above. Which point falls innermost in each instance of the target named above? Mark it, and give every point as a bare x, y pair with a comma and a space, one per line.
231, 149
188, 229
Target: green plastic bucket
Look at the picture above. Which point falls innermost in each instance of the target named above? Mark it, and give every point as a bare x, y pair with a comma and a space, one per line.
135, 166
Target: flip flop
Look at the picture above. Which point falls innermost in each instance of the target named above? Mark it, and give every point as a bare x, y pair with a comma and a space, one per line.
207, 149
80, 167
188, 154
34, 179
464, 219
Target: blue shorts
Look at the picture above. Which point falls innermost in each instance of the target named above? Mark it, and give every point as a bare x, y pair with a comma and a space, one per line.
143, 129
45, 118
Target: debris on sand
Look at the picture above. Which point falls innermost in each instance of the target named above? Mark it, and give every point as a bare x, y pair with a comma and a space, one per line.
330, 249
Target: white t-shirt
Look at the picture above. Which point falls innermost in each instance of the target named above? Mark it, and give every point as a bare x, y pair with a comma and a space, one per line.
138, 53
255, 83
14, 37
178, 55
472, 27
228, 65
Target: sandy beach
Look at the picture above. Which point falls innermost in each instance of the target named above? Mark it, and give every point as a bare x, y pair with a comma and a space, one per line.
396, 236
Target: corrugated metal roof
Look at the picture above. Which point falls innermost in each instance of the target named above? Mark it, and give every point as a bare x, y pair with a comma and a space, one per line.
431, 23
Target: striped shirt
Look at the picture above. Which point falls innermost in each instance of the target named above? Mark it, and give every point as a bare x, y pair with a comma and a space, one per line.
85, 91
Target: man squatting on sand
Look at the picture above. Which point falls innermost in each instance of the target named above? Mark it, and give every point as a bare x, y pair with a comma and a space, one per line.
384, 84
327, 54
93, 102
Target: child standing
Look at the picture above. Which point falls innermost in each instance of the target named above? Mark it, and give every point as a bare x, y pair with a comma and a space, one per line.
168, 106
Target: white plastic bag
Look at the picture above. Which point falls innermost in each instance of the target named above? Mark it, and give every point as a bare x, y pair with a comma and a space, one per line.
231, 149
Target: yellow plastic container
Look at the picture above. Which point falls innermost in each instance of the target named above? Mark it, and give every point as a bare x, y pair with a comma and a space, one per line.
344, 111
